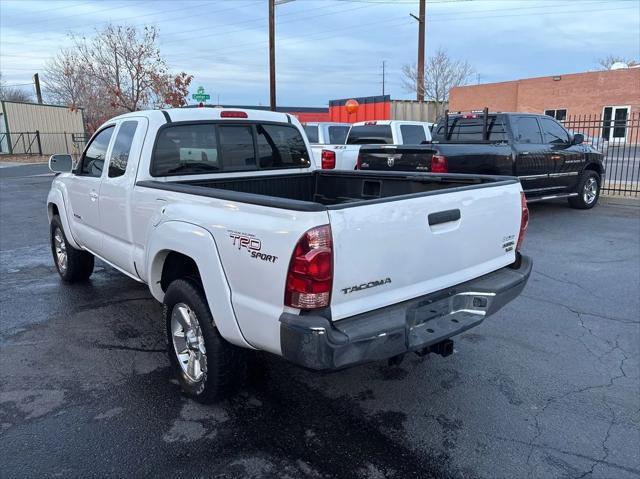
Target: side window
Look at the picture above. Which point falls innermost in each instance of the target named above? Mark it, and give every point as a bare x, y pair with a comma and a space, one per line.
236, 147
553, 132
338, 134
527, 130
312, 133
93, 160
412, 134
121, 148
281, 146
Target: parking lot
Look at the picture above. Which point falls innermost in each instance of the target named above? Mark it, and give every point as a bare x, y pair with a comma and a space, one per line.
548, 387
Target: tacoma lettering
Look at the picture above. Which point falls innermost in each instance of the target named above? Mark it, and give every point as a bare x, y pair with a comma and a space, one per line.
370, 284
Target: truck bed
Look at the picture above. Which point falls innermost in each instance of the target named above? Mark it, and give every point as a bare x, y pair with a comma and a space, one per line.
322, 190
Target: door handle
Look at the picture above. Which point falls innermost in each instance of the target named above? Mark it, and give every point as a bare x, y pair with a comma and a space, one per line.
443, 217
93, 195
524, 152
556, 157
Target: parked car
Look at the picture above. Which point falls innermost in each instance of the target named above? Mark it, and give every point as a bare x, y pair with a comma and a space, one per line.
549, 161
391, 132
249, 247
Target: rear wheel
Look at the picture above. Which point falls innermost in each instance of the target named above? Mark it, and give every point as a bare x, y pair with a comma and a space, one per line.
588, 191
72, 264
208, 367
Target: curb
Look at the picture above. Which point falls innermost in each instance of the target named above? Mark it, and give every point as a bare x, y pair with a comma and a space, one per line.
620, 200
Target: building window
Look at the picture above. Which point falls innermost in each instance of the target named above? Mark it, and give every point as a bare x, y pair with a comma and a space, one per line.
559, 115
615, 121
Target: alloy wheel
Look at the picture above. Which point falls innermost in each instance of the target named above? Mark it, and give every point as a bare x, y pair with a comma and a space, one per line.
590, 191
60, 247
188, 342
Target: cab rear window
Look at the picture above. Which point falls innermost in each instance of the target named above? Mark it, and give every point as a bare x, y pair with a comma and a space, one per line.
470, 129
201, 148
370, 134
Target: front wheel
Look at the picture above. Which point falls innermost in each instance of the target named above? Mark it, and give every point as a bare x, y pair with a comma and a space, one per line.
72, 264
588, 191
207, 366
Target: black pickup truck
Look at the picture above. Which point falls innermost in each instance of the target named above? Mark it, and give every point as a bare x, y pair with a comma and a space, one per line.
549, 161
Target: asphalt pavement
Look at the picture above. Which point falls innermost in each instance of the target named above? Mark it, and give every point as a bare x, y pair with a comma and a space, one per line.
548, 387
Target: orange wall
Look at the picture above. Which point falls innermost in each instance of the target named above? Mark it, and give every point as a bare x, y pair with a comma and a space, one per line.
371, 108
305, 117
578, 93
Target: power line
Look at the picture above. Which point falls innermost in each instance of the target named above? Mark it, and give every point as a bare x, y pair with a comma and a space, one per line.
297, 17
450, 16
441, 17
6, 85
48, 21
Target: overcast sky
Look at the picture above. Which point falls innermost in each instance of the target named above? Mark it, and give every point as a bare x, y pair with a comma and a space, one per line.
327, 49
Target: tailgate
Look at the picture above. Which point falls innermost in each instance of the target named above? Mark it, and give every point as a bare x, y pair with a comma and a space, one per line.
405, 158
389, 252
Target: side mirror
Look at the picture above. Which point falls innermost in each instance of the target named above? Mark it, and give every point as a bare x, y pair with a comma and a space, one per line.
578, 138
61, 163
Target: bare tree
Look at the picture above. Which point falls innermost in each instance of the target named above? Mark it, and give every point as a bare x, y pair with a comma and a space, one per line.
441, 73
12, 93
67, 82
119, 69
607, 62
126, 63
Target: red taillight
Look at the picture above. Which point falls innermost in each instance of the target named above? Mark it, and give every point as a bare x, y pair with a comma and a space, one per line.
328, 159
233, 114
524, 220
359, 162
310, 274
467, 117
439, 164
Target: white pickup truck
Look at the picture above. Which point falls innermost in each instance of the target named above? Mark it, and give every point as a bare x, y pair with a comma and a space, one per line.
222, 215
389, 132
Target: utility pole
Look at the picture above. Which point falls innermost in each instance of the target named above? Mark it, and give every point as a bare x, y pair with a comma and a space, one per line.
272, 50
421, 21
36, 82
383, 62
272, 54
420, 73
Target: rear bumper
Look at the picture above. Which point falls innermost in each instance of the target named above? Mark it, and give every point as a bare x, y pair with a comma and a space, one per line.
316, 342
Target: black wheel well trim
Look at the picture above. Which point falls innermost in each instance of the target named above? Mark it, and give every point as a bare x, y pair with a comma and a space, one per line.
594, 166
53, 209
178, 265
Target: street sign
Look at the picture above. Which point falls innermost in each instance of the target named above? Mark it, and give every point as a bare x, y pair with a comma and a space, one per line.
200, 95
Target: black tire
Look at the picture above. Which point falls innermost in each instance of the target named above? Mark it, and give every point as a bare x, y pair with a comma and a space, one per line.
73, 264
223, 362
587, 198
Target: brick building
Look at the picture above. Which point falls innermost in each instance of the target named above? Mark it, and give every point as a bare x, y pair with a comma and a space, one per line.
613, 94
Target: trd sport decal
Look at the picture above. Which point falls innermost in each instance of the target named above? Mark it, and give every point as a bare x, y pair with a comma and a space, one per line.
370, 284
252, 245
